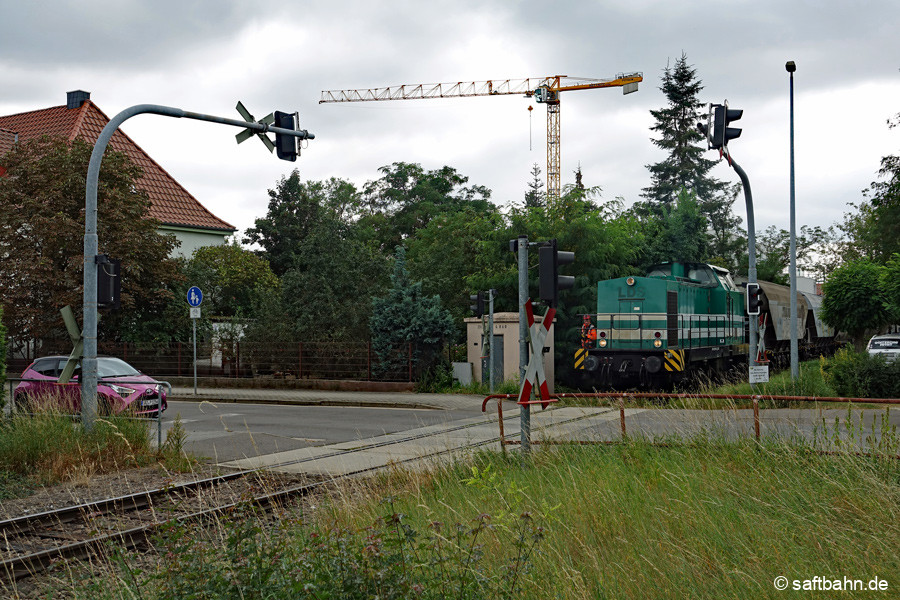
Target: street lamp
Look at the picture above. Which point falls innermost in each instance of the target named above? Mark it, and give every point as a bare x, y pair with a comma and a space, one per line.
795, 364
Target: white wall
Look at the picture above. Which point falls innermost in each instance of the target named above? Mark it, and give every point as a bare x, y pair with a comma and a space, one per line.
191, 240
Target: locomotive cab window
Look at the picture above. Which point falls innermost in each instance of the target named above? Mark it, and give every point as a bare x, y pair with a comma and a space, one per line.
703, 275
725, 278
660, 271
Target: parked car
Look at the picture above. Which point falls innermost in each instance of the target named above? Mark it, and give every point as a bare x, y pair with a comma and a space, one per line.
886, 345
120, 387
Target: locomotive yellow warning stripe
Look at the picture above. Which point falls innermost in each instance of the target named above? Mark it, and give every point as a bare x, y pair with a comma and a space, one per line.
580, 355
673, 360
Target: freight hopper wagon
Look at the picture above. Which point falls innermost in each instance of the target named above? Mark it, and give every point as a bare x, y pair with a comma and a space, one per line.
815, 338
656, 330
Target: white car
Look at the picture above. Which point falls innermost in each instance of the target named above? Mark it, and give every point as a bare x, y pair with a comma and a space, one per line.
887, 345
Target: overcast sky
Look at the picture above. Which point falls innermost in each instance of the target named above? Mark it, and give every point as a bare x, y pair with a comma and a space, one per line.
204, 56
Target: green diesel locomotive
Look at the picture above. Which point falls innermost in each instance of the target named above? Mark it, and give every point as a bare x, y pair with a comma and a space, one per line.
682, 318
654, 330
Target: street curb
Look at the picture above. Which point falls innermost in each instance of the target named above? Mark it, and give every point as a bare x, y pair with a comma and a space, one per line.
308, 402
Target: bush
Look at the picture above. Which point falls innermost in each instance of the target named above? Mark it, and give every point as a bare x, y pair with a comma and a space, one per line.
438, 378
246, 558
861, 375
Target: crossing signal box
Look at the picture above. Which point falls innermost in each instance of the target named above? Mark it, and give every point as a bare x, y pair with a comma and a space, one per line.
477, 304
549, 280
286, 145
754, 300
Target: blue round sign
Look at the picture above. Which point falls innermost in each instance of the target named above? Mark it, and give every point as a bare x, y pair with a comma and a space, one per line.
194, 296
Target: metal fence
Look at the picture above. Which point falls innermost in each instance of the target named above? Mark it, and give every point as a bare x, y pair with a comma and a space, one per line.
287, 360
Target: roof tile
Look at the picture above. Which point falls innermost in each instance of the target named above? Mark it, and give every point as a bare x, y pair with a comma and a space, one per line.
170, 203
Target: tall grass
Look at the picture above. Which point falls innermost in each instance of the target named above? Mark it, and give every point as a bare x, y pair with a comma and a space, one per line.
703, 519
50, 447
707, 520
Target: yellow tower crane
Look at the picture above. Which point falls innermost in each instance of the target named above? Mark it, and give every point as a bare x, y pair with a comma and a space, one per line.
544, 90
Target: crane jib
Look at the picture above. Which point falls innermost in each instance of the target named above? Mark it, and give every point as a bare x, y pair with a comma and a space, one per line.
544, 90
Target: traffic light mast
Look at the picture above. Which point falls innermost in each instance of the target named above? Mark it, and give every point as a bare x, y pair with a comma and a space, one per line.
717, 132
89, 373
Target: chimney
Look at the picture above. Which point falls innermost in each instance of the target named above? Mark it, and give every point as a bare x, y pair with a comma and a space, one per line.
77, 98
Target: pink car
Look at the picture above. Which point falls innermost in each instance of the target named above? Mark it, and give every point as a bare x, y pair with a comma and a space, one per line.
120, 387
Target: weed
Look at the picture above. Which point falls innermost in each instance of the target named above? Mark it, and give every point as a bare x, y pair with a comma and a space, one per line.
173, 452
243, 557
49, 447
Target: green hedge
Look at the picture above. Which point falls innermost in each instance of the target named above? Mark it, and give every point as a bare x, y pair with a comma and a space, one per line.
860, 375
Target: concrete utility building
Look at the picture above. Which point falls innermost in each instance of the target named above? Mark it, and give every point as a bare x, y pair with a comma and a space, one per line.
177, 210
506, 349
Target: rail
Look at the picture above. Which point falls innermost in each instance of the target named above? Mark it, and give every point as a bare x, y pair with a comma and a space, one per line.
29, 562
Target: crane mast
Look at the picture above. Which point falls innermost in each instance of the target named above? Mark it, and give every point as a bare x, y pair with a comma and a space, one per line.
544, 90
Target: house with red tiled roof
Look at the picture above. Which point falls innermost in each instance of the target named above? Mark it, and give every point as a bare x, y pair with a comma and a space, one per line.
177, 210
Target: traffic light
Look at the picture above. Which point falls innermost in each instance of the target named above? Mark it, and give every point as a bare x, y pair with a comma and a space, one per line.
753, 299
724, 116
477, 306
716, 129
286, 145
549, 279
109, 282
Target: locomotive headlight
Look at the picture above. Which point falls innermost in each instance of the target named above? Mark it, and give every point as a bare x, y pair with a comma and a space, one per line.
630, 281
657, 343
602, 343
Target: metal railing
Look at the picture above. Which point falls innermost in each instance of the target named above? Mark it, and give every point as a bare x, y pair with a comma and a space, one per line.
621, 397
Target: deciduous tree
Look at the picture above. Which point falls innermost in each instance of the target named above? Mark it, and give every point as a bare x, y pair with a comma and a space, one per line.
231, 277
872, 232
855, 300
296, 208
42, 232
406, 197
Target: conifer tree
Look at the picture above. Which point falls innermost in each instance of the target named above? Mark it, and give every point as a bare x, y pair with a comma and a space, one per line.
534, 197
686, 168
406, 321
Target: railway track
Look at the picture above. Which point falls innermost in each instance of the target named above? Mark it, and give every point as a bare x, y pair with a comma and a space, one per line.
30, 544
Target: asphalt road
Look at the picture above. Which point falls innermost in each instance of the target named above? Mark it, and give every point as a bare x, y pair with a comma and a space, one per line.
223, 431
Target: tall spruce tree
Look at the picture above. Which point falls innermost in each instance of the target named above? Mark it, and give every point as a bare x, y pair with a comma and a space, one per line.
685, 167
534, 197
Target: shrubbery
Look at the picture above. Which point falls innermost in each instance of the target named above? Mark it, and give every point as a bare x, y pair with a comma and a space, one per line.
860, 375
389, 559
